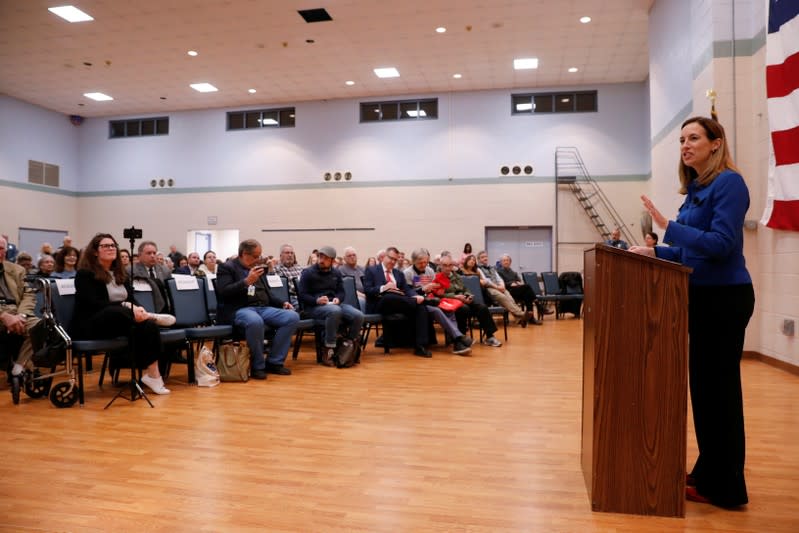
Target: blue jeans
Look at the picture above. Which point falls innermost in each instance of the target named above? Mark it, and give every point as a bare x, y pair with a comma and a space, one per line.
332, 315
447, 321
253, 321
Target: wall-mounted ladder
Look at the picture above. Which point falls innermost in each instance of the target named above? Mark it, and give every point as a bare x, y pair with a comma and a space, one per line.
570, 171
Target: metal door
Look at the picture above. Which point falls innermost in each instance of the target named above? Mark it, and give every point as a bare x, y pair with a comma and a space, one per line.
530, 248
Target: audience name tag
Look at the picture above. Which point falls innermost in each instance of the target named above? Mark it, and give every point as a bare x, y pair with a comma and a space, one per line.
65, 286
185, 283
251, 290
140, 285
274, 280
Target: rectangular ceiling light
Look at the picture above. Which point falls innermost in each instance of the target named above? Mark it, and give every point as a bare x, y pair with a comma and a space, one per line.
525, 63
203, 87
387, 72
70, 13
414, 113
100, 97
268, 122
524, 107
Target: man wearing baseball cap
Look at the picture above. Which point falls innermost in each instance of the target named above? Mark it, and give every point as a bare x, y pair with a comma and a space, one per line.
321, 291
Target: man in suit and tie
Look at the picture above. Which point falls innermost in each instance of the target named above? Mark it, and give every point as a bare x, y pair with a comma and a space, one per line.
388, 293
156, 274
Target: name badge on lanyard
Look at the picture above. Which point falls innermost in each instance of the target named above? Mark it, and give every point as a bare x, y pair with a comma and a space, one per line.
251, 290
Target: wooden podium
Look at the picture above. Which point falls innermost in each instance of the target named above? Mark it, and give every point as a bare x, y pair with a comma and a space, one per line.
635, 349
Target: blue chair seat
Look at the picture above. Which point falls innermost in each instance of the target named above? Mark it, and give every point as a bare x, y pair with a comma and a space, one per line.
100, 345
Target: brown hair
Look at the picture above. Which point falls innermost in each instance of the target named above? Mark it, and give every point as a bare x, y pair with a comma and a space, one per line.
61, 254
466, 262
719, 160
88, 261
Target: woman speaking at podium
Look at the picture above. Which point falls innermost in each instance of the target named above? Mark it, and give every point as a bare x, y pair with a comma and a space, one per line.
708, 237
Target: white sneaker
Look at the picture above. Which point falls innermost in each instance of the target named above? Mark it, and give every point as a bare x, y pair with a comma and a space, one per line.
492, 341
155, 384
162, 320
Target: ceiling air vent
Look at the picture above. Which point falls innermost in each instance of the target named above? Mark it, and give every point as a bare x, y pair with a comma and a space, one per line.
315, 15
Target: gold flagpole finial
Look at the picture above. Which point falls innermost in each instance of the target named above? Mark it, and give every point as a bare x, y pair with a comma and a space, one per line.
710, 94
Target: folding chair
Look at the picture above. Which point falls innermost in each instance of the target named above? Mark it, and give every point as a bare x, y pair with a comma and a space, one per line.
191, 315
369, 319
531, 279
64, 306
305, 323
169, 337
553, 288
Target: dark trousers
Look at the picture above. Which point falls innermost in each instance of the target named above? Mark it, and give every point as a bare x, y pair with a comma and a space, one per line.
523, 293
117, 321
406, 305
717, 319
478, 311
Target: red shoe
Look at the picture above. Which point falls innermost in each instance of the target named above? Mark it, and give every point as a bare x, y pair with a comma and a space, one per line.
693, 496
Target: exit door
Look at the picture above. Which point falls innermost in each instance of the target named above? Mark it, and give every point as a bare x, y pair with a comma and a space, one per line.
530, 248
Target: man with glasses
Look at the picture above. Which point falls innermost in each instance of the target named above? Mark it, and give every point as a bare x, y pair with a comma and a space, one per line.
246, 301
388, 293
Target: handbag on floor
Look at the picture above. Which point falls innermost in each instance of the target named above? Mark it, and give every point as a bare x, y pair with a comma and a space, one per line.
234, 361
205, 370
346, 353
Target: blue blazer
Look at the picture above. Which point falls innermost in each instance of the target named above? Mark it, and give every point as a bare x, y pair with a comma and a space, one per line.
708, 233
375, 278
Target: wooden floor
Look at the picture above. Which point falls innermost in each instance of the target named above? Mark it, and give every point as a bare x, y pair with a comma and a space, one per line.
487, 443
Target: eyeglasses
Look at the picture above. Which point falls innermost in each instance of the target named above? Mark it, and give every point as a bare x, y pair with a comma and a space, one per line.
394, 258
107, 246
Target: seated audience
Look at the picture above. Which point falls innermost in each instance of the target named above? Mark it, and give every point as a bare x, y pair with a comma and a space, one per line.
470, 308
499, 294
46, 249
321, 291
209, 264
615, 240
46, 266
174, 255
469, 266
17, 303
370, 262
350, 267
467, 251
651, 239
124, 258
192, 265
388, 293
66, 261
156, 275
25, 260
11, 250
246, 301
288, 267
518, 289
420, 277
102, 310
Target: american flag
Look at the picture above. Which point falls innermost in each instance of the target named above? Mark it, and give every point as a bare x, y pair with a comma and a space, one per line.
782, 88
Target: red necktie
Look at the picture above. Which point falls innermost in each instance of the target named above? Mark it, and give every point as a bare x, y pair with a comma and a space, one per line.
388, 276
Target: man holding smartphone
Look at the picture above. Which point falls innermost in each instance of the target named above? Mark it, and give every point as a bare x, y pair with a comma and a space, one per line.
246, 301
